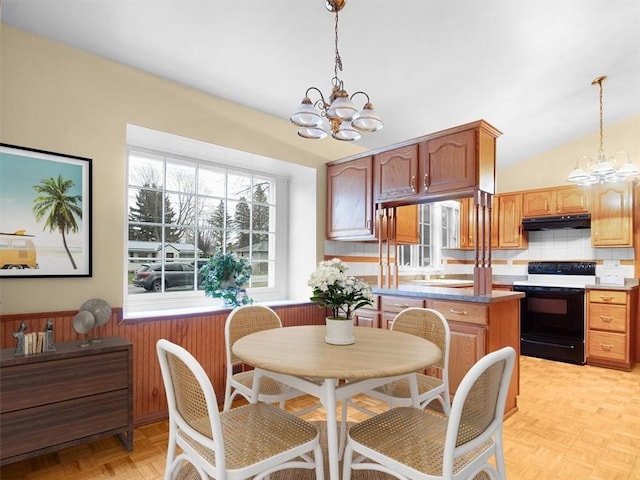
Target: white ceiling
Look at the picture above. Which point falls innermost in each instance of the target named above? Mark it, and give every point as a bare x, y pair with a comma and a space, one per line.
524, 66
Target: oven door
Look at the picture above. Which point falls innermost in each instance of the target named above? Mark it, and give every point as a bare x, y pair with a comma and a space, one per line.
552, 323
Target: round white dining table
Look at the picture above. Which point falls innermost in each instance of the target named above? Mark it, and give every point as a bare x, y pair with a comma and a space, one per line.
300, 357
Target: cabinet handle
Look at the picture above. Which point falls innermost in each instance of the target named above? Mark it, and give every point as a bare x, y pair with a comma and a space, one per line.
368, 224
606, 346
606, 298
425, 181
606, 319
401, 305
458, 312
413, 183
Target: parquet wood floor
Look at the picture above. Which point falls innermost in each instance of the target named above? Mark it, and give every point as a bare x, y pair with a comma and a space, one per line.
574, 423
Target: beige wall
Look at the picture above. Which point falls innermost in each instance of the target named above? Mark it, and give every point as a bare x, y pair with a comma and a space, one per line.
551, 168
62, 100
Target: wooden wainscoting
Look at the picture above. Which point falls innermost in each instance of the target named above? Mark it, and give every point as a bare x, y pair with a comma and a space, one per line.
202, 335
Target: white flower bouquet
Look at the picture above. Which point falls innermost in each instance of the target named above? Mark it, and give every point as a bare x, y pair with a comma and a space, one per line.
334, 289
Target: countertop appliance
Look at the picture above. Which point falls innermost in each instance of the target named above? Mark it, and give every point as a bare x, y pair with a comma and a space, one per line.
552, 312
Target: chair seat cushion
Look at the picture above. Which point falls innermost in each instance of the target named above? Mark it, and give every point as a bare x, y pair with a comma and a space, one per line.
255, 433
411, 437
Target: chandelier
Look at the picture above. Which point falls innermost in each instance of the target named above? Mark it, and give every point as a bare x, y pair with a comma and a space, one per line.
344, 120
603, 169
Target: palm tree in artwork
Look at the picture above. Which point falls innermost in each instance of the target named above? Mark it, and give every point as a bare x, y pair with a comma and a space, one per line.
59, 208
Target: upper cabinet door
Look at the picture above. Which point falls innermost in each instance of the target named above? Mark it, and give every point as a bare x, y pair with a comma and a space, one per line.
538, 203
350, 200
510, 233
611, 216
572, 199
395, 173
449, 163
555, 201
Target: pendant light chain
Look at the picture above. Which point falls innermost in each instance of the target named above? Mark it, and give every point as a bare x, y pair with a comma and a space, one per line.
338, 59
600, 80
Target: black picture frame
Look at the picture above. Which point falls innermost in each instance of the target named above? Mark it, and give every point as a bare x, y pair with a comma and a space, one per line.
45, 213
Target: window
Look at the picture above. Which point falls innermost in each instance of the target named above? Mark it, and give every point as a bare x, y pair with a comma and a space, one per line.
180, 210
427, 254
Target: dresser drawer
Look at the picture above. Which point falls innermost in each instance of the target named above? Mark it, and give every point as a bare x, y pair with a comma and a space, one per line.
608, 317
608, 296
26, 386
461, 311
612, 346
397, 304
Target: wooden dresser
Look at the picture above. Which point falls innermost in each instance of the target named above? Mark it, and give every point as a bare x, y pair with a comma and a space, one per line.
58, 399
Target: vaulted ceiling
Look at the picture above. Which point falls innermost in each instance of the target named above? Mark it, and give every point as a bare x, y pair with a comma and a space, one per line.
524, 66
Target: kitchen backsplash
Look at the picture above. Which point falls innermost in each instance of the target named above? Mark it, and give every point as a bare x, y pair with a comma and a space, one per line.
543, 245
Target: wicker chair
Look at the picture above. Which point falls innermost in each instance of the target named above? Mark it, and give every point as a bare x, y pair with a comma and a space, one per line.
250, 441
183, 468
429, 324
415, 444
240, 322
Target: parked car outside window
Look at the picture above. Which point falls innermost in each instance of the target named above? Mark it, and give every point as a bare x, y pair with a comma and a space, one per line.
149, 276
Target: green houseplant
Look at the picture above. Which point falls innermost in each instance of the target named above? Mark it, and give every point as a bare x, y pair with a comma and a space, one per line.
224, 276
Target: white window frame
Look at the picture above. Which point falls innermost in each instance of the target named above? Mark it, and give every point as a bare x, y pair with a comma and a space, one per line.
177, 303
435, 240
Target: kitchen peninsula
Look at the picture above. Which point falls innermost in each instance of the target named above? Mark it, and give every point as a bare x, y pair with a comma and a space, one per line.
479, 323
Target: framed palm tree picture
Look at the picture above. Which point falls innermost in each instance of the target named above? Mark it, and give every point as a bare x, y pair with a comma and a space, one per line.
45, 213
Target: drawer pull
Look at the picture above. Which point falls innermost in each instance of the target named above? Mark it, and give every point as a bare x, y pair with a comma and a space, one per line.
401, 305
606, 346
606, 319
458, 312
606, 298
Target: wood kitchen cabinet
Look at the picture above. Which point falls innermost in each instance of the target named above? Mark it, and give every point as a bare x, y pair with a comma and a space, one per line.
58, 399
449, 164
350, 209
468, 224
611, 328
477, 328
555, 201
368, 316
509, 214
396, 173
611, 215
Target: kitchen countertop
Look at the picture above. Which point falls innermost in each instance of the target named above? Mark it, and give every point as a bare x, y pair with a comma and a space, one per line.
447, 293
629, 284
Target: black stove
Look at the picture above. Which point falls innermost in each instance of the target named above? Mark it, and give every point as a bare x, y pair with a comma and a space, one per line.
552, 312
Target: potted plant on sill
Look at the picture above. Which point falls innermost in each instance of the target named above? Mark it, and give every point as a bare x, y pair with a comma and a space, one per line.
224, 276
343, 294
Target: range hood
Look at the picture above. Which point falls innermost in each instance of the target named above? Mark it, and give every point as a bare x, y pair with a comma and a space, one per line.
581, 220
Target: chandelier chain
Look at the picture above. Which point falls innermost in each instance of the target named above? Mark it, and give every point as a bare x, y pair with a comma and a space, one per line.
601, 110
338, 59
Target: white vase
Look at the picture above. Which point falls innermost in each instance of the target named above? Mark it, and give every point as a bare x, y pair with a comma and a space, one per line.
339, 331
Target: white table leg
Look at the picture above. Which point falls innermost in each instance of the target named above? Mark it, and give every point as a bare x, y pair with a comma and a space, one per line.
328, 400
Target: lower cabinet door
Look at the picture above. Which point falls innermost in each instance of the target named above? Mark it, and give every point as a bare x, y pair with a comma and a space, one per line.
467, 347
